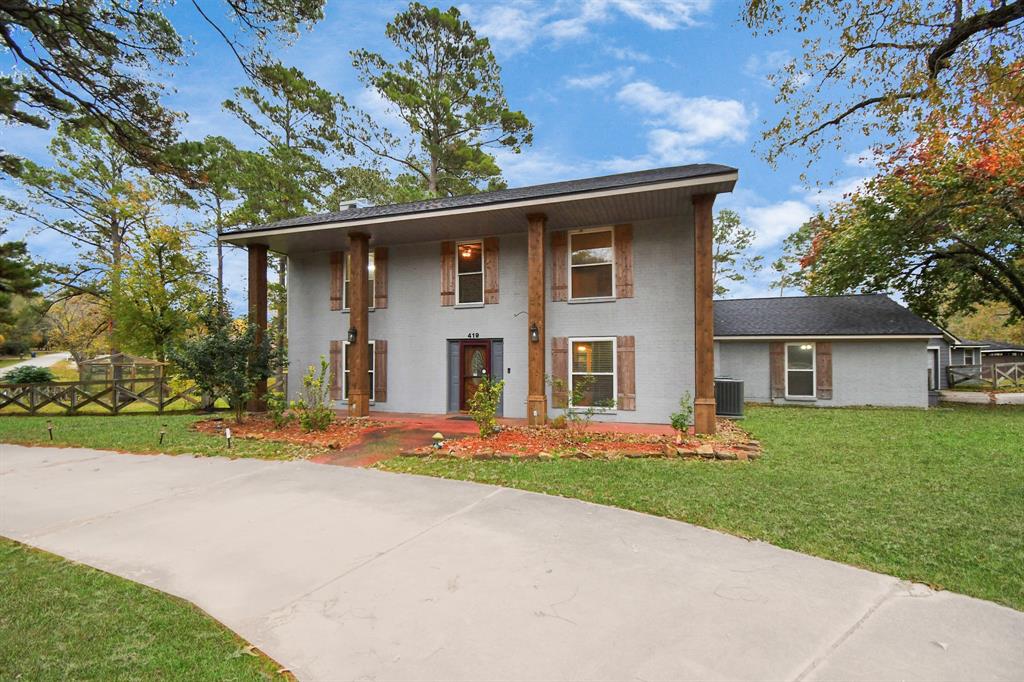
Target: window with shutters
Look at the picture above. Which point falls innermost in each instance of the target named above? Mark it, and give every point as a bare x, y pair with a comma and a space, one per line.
469, 279
591, 264
593, 357
800, 372
345, 362
369, 274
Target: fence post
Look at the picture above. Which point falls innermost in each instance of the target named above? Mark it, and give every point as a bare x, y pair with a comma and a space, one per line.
160, 394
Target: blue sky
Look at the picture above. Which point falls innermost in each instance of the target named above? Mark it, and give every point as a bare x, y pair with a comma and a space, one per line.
610, 86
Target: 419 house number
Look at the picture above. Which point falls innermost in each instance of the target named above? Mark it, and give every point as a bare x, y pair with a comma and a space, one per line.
473, 335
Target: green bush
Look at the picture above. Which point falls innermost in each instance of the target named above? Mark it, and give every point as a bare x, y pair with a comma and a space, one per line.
14, 347
27, 374
483, 406
277, 406
313, 406
681, 419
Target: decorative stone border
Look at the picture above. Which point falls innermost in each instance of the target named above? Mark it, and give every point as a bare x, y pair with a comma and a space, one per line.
708, 451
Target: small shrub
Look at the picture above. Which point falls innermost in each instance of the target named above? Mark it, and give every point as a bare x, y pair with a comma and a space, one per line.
27, 374
277, 406
575, 415
14, 347
559, 422
681, 420
313, 406
483, 406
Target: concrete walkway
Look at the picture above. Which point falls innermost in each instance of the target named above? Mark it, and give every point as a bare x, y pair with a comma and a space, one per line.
349, 574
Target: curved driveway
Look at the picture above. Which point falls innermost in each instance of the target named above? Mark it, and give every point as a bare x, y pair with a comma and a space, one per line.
345, 574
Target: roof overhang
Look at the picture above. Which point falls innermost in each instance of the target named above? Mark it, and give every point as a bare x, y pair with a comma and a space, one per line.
830, 337
583, 209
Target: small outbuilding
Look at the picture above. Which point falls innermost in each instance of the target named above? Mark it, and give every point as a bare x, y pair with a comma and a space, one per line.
826, 351
120, 365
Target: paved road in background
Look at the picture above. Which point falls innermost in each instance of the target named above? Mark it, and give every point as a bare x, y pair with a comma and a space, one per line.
345, 573
48, 360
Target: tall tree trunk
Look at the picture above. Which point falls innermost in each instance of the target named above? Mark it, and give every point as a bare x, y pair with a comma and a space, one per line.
220, 257
281, 321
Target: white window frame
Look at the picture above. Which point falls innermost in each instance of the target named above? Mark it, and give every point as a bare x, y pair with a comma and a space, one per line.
573, 233
372, 280
813, 370
934, 368
615, 371
345, 372
482, 273
973, 352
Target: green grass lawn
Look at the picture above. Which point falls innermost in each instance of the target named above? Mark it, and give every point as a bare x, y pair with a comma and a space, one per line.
60, 620
934, 496
140, 433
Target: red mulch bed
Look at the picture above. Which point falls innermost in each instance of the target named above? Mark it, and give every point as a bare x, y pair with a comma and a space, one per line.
520, 442
339, 435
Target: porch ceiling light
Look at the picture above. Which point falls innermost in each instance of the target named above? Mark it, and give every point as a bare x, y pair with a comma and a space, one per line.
534, 333
352, 334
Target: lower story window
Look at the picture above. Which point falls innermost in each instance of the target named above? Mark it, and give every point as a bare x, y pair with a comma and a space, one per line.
592, 375
344, 394
800, 370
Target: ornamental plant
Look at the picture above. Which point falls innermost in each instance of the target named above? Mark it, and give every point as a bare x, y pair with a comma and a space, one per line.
27, 374
483, 405
681, 420
313, 406
277, 406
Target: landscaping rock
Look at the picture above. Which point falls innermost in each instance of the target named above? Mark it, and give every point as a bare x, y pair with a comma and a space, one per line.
670, 450
722, 454
706, 450
545, 455
684, 452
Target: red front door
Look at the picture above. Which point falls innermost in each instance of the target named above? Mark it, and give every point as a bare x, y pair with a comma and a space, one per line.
474, 363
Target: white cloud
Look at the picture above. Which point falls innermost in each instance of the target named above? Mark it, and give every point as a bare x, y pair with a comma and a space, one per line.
513, 26
628, 54
697, 120
599, 80
822, 197
774, 222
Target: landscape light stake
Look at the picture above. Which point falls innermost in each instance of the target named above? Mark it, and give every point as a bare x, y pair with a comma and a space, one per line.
227, 434
163, 431
49, 427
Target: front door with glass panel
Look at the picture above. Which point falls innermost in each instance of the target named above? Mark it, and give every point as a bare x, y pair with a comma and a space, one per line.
474, 364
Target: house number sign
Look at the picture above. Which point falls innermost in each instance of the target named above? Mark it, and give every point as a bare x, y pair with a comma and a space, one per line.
473, 335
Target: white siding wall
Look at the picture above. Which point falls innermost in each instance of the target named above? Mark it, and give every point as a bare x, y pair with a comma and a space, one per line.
417, 327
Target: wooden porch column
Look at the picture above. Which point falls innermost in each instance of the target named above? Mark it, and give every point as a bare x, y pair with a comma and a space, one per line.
258, 313
536, 397
358, 353
704, 315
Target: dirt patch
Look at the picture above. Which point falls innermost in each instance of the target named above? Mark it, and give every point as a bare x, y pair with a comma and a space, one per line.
521, 442
339, 435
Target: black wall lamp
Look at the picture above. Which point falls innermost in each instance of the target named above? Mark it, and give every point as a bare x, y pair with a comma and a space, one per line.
352, 334
534, 333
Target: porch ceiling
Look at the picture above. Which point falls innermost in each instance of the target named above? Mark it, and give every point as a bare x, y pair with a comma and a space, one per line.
567, 211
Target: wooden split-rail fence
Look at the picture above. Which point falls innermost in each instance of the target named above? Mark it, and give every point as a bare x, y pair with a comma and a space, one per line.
110, 396
1001, 375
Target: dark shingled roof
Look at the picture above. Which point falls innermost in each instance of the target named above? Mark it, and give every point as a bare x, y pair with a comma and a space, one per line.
551, 189
861, 315
990, 346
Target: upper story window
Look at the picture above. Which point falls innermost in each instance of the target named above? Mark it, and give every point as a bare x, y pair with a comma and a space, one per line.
593, 372
369, 272
800, 379
591, 264
469, 280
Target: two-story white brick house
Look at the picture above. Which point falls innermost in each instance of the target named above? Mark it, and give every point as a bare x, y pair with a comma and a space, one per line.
412, 303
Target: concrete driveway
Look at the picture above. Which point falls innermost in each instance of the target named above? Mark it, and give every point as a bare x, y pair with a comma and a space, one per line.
349, 574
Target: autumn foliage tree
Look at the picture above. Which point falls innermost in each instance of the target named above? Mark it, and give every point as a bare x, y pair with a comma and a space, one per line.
942, 224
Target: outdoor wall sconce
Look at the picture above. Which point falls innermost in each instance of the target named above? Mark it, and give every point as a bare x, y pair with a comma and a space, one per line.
352, 334
534, 333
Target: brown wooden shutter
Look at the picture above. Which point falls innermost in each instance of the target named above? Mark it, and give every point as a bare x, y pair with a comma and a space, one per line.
777, 363
491, 269
823, 370
624, 261
559, 264
380, 371
626, 371
337, 278
447, 273
380, 277
560, 371
336, 369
